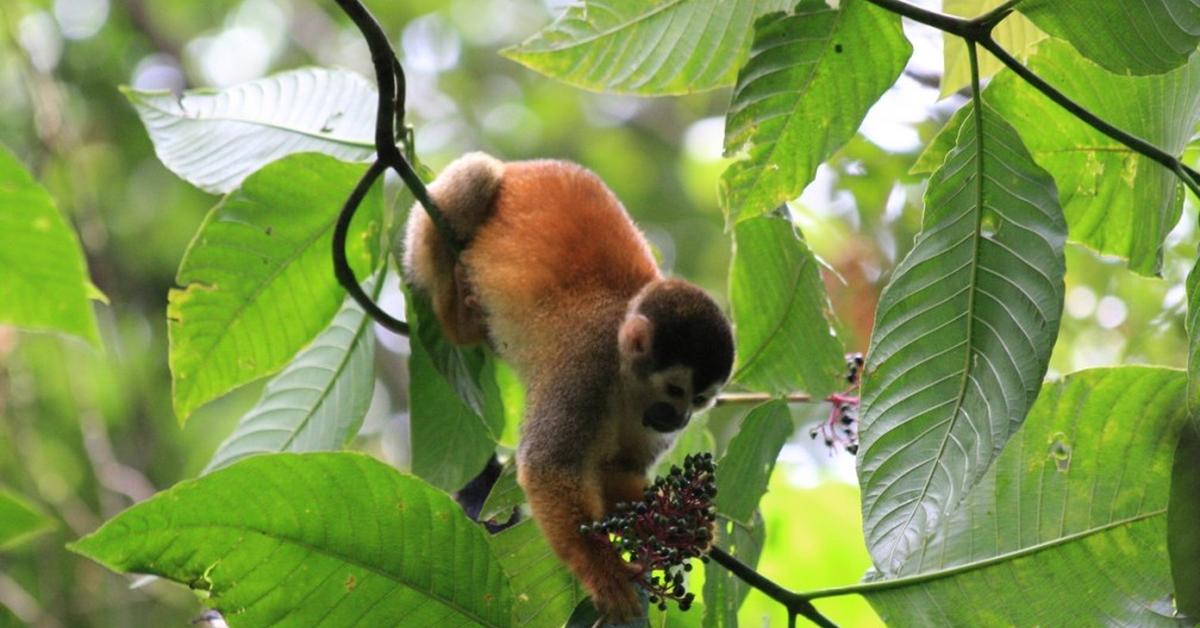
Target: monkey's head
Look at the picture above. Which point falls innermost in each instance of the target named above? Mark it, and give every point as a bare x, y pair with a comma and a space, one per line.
676, 352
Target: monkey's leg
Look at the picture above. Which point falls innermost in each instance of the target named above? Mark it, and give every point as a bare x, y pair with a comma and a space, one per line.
468, 322
561, 502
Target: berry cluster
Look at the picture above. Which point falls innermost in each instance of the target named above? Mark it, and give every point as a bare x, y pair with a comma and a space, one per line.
841, 428
854, 364
672, 524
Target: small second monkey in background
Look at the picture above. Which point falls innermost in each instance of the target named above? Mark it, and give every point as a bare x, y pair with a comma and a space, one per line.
615, 357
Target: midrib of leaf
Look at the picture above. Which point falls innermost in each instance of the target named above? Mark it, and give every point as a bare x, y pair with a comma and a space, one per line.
972, 289
791, 117
223, 118
258, 290
794, 293
362, 328
334, 555
574, 43
897, 583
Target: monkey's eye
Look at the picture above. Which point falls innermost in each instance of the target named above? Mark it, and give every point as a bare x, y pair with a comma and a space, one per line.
699, 400
674, 391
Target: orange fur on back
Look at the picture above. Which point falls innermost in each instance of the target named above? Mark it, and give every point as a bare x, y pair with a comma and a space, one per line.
557, 236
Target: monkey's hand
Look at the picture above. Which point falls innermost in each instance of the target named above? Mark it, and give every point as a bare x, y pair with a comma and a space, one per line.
562, 502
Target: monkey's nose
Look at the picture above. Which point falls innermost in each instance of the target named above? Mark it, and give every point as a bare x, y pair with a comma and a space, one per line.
663, 417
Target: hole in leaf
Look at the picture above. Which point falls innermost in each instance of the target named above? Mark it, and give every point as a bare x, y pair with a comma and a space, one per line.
1060, 451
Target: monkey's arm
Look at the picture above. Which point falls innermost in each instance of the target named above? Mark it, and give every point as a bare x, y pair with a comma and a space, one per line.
561, 502
558, 467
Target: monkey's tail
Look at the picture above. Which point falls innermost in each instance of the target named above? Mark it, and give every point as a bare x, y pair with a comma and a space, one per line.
465, 192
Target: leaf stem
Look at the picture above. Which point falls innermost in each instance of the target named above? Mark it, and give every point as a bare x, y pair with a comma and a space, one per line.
979, 31
795, 603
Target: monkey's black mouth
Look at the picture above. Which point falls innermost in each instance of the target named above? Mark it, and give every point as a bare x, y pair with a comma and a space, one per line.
662, 417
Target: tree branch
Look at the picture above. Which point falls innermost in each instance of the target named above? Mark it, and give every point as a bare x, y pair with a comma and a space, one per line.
795, 603
979, 31
389, 77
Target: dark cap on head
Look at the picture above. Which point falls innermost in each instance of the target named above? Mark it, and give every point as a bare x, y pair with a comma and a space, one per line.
689, 329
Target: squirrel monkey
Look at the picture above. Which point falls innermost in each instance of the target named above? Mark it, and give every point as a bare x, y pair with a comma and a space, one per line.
614, 357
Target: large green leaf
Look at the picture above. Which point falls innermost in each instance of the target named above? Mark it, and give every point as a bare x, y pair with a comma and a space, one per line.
723, 592
1183, 518
257, 279
1016, 34
629, 46
505, 495
455, 412
810, 80
1116, 201
1068, 526
781, 312
318, 402
19, 520
215, 139
336, 539
743, 472
43, 276
962, 337
544, 590
1145, 37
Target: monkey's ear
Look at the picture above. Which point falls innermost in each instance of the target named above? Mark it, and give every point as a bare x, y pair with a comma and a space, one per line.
635, 335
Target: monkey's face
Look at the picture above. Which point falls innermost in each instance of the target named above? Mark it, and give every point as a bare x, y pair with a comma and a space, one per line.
671, 398
676, 353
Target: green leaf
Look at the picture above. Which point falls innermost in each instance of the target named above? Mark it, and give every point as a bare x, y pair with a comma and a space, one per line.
653, 48
1147, 37
1075, 505
258, 284
962, 337
451, 440
505, 495
19, 520
724, 592
1193, 330
744, 470
215, 139
781, 312
1116, 201
544, 590
43, 277
333, 538
319, 401
465, 369
1016, 34
1183, 515
810, 80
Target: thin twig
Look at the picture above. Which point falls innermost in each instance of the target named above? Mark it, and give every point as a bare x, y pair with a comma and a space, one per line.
979, 31
729, 398
389, 76
1134, 143
341, 265
795, 603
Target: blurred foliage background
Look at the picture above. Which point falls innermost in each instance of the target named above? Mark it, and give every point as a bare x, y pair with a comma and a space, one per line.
83, 434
